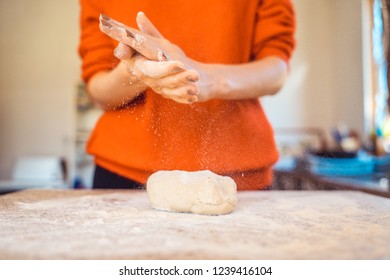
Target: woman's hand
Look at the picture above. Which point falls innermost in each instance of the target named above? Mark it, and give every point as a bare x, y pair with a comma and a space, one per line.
170, 78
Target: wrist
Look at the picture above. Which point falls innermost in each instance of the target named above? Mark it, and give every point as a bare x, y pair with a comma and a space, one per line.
212, 83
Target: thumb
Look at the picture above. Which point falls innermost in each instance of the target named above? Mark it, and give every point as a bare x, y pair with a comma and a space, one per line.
146, 26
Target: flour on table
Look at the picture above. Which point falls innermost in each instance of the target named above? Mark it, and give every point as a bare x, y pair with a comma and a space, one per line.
199, 192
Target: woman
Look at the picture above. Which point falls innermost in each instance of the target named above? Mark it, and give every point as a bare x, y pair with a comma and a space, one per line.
200, 108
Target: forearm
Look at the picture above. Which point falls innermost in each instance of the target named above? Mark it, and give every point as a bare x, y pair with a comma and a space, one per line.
243, 81
113, 89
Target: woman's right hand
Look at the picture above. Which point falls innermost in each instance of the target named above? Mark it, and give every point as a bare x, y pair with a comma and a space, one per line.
168, 78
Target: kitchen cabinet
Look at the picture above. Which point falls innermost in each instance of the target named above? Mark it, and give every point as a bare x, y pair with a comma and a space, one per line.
301, 179
86, 117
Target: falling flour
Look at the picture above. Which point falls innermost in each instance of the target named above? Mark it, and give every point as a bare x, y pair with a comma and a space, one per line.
200, 192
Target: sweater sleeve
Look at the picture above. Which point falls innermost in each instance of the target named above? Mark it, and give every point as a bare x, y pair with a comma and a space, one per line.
274, 29
95, 48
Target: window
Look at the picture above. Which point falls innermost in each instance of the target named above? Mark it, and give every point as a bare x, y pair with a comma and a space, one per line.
377, 58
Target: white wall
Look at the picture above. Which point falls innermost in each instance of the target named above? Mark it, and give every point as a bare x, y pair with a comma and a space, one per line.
348, 62
39, 68
325, 84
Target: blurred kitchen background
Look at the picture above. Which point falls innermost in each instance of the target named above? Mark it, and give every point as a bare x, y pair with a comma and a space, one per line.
333, 107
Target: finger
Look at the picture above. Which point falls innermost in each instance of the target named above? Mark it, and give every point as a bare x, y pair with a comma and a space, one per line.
123, 52
158, 69
134, 40
146, 26
185, 100
143, 44
182, 100
179, 79
188, 92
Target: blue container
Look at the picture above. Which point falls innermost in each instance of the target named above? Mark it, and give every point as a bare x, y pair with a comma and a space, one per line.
382, 163
362, 164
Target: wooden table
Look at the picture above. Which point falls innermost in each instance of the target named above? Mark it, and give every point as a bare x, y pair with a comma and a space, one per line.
50, 224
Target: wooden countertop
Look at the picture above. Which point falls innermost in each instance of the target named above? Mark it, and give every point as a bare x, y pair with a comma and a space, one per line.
53, 224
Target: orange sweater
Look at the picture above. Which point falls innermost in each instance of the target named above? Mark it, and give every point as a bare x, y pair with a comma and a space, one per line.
153, 133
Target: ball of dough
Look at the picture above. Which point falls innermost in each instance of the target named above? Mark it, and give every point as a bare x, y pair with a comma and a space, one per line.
199, 192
